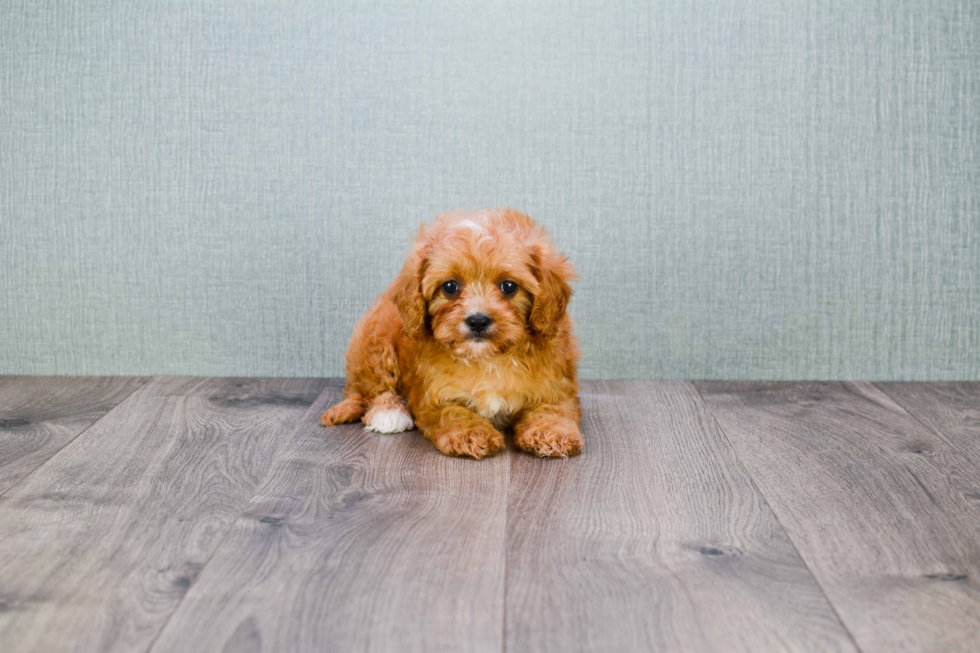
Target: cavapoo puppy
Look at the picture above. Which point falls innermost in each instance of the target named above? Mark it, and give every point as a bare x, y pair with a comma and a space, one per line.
471, 338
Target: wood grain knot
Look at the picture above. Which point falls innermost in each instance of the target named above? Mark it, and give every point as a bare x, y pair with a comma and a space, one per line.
255, 401
350, 499
717, 550
185, 575
272, 521
343, 474
13, 423
920, 450
947, 577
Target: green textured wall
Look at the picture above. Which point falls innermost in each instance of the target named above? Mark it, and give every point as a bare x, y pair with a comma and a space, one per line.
751, 189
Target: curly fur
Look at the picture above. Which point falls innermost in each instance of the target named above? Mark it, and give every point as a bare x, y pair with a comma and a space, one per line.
413, 358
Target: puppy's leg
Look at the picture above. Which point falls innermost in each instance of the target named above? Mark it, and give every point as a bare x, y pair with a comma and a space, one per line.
458, 431
349, 409
372, 372
550, 431
388, 414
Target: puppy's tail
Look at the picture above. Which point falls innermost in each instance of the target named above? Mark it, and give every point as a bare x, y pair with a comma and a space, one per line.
350, 409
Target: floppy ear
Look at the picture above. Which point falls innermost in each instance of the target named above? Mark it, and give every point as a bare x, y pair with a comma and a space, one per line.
553, 273
408, 294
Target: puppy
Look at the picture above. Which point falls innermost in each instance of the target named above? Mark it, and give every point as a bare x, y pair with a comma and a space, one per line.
471, 338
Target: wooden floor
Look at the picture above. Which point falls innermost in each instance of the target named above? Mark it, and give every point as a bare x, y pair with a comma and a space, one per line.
185, 514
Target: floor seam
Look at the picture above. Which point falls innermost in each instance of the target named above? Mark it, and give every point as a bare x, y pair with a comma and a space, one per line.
231, 524
85, 430
775, 516
909, 412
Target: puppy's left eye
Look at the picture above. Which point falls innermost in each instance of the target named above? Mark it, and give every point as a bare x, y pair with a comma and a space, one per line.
508, 288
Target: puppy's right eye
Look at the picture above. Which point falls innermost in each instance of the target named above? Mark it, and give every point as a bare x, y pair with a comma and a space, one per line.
450, 287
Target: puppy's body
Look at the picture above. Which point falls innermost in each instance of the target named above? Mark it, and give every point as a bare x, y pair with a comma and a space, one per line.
496, 352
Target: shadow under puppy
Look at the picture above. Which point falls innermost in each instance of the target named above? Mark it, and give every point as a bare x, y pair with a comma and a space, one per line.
471, 338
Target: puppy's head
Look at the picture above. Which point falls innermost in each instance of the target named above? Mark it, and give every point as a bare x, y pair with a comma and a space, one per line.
483, 283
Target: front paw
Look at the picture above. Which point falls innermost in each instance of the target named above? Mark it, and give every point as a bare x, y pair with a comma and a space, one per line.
550, 438
473, 441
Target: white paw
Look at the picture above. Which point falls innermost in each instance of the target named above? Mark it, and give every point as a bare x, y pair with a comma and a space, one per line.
390, 421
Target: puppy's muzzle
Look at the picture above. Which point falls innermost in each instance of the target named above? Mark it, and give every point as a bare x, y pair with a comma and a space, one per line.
478, 324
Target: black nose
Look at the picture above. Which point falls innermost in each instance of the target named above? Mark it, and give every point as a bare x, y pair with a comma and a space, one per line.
478, 322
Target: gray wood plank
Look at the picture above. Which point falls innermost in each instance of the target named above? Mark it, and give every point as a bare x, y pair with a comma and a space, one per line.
951, 410
99, 545
357, 542
877, 504
41, 414
654, 539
